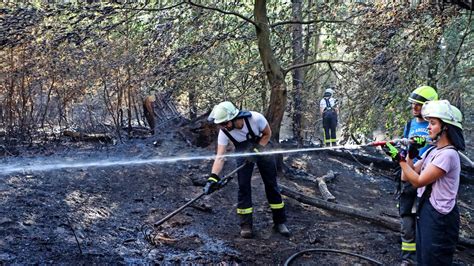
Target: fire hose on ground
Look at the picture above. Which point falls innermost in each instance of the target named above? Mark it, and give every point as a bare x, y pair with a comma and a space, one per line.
148, 230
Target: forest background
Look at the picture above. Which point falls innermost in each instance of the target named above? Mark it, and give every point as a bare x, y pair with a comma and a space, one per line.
88, 65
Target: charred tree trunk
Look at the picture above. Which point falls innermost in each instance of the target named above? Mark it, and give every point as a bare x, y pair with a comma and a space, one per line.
192, 100
298, 73
11, 95
129, 85
272, 68
118, 107
148, 111
48, 100
312, 44
129, 107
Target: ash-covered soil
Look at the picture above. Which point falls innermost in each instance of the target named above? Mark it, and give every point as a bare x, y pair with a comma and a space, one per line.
94, 214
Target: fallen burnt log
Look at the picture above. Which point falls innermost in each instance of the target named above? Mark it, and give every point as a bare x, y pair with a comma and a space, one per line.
79, 136
390, 223
323, 187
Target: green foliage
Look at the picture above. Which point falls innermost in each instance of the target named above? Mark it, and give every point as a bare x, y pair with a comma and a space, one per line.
397, 50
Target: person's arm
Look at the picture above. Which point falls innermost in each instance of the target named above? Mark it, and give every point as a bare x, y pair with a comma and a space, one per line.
266, 135
322, 105
428, 176
416, 167
219, 160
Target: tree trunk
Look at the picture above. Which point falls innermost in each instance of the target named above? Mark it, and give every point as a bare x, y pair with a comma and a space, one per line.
192, 101
11, 94
298, 73
433, 63
312, 40
272, 68
129, 104
48, 100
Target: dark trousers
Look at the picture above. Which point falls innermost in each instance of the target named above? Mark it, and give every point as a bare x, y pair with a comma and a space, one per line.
436, 235
329, 125
408, 221
267, 167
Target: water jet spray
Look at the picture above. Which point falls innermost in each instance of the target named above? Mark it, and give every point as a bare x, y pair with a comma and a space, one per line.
43, 166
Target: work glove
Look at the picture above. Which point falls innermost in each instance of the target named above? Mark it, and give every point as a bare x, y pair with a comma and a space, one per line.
417, 142
256, 149
394, 153
212, 184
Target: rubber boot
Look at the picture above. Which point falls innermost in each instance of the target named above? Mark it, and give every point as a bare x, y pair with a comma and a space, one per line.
246, 231
282, 229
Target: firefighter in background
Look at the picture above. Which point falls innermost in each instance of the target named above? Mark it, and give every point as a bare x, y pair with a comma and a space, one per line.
329, 111
249, 132
436, 175
415, 127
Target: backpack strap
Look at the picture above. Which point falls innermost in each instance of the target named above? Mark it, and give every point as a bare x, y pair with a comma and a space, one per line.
328, 104
250, 135
227, 133
407, 128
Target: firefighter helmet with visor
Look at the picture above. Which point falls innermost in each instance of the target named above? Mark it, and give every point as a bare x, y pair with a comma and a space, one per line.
443, 110
223, 112
423, 94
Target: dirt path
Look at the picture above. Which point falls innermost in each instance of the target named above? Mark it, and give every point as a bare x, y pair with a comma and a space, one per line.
42, 212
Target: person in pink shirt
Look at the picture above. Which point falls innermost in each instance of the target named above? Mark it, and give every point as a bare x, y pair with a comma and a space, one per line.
436, 175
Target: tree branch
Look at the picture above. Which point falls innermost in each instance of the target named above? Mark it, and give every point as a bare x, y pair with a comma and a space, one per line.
310, 22
223, 12
346, 20
329, 62
469, 5
151, 9
463, 38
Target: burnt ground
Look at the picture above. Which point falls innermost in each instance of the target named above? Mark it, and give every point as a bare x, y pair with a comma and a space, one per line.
41, 212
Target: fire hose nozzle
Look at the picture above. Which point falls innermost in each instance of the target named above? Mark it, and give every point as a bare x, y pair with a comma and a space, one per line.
403, 141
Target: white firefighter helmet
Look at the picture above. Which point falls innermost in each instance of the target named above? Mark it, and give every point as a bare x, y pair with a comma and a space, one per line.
329, 90
443, 110
223, 112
